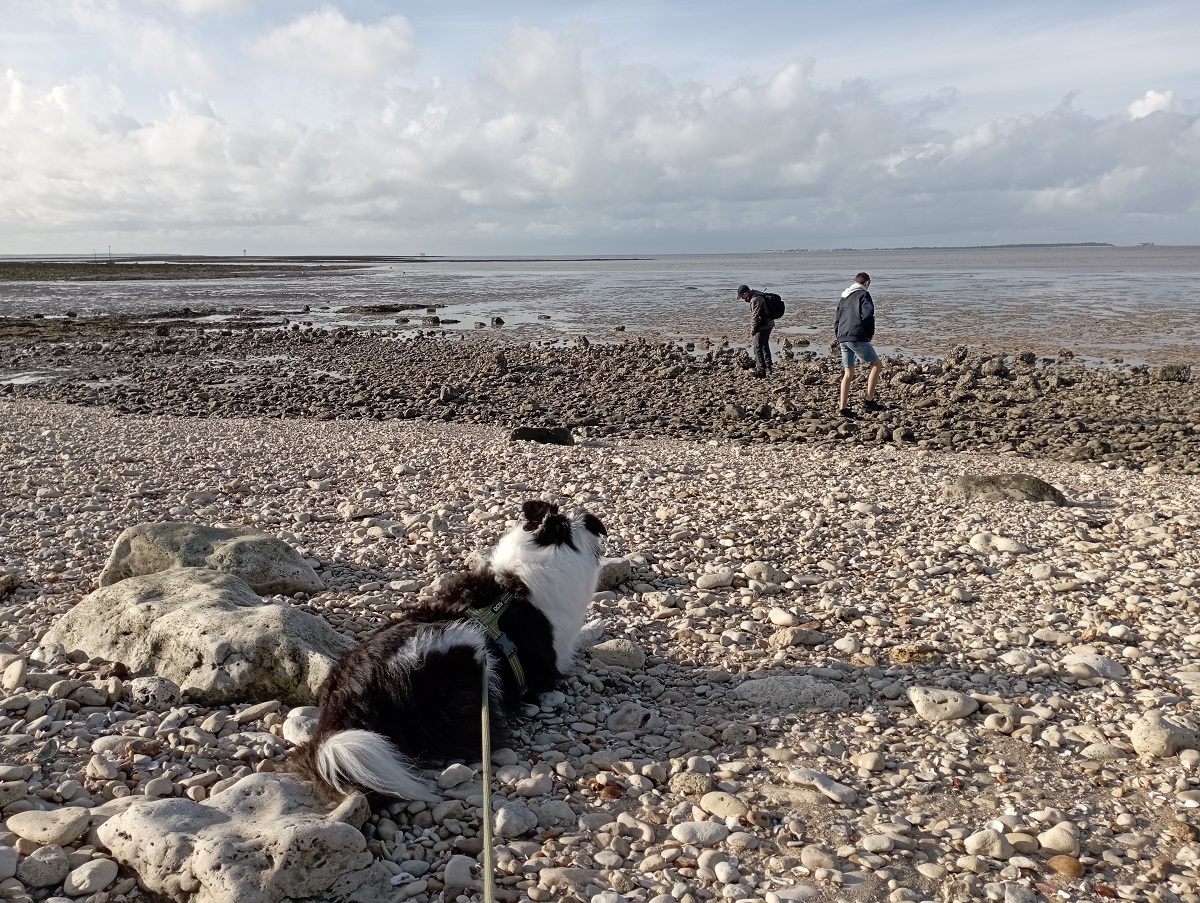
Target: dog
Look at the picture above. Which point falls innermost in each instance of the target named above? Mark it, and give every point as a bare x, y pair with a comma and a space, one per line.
413, 689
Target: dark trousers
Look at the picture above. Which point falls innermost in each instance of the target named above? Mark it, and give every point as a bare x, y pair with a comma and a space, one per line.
762, 351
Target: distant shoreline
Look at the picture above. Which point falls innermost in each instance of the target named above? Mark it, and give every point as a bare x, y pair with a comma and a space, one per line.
136, 271
1018, 246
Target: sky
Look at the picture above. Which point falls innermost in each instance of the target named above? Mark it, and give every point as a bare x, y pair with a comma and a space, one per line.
617, 127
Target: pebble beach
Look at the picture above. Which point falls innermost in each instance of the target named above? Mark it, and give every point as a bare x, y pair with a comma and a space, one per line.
822, 675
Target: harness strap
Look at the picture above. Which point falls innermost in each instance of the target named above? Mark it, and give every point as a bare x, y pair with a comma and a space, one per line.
490, 619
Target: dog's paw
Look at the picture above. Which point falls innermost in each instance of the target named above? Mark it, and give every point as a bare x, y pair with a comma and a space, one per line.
590, 634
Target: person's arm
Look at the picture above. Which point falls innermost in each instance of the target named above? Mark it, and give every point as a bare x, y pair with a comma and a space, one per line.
866, 311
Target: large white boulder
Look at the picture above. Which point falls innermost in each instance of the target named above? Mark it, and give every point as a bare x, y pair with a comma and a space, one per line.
1156, 735
207, 631
265, 562
263, 840
941, 704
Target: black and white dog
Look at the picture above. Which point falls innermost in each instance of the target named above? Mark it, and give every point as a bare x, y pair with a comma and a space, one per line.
413, 688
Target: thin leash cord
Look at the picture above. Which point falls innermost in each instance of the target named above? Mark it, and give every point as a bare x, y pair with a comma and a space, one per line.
489, 861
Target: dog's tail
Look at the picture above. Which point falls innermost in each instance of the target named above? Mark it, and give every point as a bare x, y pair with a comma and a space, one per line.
357, 758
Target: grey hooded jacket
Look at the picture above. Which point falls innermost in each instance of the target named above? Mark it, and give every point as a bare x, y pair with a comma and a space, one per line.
855, 318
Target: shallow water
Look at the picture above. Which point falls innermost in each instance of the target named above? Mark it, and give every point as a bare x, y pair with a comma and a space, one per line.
1133, 304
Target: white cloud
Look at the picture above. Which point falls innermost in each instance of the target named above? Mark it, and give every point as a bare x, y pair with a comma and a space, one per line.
537, 69
542, 142
203, 7
325, 43
1151, 102
142, 43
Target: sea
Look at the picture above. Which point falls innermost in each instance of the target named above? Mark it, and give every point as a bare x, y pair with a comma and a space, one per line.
1106, 304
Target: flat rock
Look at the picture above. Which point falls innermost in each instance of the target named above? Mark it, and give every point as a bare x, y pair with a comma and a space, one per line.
1089, 664
939, 704
1103, 752
268, 564
716, 580
621, 652
796, 636
723, 805
265, 839
990, 487
52, 826
701, 833
793, 691
208, 632
91, 877
764, 571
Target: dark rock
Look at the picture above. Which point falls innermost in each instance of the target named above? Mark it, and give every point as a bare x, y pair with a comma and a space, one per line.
544, 434
1173, 373
994, 366
733, 411
1002, 486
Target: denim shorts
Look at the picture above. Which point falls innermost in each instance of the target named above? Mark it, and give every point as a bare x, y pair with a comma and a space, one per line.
862, 350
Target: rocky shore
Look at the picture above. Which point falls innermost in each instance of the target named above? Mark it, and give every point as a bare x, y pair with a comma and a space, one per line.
825, 676
264, 365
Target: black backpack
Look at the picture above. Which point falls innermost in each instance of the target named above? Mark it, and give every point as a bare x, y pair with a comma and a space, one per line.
774, 305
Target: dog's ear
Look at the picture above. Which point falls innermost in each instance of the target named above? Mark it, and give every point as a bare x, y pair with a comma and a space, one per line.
594, 525
535, 511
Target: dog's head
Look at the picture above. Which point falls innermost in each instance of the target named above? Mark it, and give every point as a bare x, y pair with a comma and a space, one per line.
549, 527
549, 538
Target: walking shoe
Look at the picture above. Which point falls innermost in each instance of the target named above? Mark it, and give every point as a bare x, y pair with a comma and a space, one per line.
846, 412
872, 405
760, 374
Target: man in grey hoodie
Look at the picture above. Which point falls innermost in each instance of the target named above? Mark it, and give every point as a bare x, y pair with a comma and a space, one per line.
761, 325
853, 328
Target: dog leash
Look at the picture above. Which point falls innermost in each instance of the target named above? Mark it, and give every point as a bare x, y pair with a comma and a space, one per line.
489, 861
490, 619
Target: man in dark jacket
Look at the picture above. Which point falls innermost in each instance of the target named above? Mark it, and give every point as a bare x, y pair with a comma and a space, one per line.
761, 325
853, 328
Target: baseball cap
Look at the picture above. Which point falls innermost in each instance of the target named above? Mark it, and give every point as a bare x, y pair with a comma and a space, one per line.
742, 289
